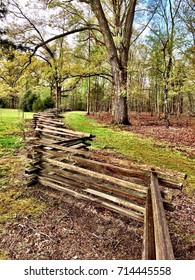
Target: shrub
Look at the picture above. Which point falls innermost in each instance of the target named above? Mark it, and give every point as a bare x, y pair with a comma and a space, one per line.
38, 105
41, 105
48, 102
3, 103
28, 101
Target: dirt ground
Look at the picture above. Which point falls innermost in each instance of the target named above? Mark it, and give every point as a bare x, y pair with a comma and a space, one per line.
70, 229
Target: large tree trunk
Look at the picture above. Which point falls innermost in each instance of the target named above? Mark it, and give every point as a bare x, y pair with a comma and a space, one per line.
117, 56
120, 110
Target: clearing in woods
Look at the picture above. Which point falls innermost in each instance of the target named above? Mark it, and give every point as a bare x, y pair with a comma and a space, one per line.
37, 223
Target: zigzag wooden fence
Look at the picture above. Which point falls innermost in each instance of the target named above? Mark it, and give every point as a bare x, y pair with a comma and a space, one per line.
61, 160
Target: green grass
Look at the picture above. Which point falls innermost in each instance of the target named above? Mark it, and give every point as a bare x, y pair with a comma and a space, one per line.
15, 206
11, 122
133, 147
14, 196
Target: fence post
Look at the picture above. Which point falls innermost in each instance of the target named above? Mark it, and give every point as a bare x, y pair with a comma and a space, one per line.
148, 252
163, 246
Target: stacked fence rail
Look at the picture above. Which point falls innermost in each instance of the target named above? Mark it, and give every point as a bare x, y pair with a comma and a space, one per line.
60, 159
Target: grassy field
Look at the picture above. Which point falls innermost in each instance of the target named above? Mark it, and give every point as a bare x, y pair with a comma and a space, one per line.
13, 199
133, 147
11, 126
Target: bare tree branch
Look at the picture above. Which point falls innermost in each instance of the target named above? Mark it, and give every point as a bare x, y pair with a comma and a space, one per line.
51, 40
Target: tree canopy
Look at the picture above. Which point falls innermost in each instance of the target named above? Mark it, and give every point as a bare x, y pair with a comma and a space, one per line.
116, 55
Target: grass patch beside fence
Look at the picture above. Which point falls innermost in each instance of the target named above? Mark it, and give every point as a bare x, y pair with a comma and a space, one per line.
11, 125
14, 197
132, 146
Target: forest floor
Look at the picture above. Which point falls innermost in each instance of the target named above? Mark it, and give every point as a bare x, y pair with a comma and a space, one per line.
40, 223
180, 135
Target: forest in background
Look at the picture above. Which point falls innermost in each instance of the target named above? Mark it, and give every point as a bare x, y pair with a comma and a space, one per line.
116, 56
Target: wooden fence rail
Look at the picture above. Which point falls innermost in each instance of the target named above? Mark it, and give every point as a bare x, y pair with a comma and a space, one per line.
156, 242
61, 160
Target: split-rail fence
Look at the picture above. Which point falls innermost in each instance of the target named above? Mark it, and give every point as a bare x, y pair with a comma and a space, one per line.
60, 159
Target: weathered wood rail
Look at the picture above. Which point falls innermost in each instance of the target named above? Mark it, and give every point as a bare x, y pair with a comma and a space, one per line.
61, 160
